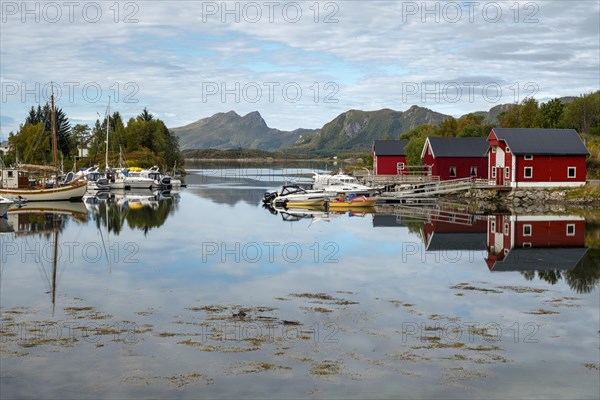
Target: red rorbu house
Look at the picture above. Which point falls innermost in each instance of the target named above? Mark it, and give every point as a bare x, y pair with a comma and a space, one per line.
389, 157
520, 157
535, 242
455, 158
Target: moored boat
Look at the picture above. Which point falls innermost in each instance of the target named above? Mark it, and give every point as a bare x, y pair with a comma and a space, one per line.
295, 196
341, 183
351, 202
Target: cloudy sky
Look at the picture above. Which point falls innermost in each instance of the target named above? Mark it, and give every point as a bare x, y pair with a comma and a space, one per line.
298, 63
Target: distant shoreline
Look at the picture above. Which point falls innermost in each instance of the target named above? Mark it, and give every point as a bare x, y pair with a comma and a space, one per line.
259, 160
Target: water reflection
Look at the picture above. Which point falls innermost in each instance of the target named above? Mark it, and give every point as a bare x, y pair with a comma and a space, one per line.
143, 210
43, 222
41, 218
547, 247
230, 183
372, 318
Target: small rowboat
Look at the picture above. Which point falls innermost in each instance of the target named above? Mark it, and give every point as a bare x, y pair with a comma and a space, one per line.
354, 202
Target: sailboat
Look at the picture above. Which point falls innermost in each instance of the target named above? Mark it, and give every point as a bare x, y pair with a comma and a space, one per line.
15, 185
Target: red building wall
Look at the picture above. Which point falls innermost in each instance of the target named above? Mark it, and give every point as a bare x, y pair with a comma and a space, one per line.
387, 165
441, 166
551, 168
550, 234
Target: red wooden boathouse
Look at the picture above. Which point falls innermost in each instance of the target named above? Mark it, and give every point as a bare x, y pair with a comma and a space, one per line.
389, 157
520, 157
455, 158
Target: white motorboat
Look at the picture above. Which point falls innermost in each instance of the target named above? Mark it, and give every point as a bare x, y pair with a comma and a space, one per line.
295, 196
160, 180
133, 179
96, 180
340, 183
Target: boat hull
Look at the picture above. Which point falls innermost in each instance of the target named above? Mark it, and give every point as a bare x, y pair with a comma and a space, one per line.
351, 204
72, 192
4, 208
304, 204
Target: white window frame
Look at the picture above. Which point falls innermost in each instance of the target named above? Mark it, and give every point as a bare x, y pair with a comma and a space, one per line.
525, 173
450, 172
568, 172
526, 245
493, 149
400, 166
530, 230
507, 173
493, 226
493, 172
567, 230
528, 157
506, 229
473, 169
507, 149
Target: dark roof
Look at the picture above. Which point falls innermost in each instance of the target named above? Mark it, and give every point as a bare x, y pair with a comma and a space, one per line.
459, 147
540, 259
389, 147
457, 241
542, 141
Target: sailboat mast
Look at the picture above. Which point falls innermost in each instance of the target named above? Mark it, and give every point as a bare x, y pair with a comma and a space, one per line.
107, 129
54, 141
54, 262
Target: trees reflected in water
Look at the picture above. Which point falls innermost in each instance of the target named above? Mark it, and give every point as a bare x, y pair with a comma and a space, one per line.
135, 213
582, 279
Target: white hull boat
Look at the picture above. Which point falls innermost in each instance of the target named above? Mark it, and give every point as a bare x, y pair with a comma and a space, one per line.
295, 196
73, 191
341, 184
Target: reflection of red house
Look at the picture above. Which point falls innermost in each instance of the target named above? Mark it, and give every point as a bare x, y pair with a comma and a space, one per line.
389, 157
536, 157
455, 158
451, 235
534, 242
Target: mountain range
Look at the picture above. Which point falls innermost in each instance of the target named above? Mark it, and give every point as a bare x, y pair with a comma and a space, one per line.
353, 130
231, 131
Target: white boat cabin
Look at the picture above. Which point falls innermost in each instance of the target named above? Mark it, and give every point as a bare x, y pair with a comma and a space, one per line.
14, 179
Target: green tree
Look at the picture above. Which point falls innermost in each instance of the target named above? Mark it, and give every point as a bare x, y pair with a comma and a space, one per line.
510, 118
80, 134
32, 143
550, 114
448, 127
528, 113
145, 115
583, 113
63, 126
413, 150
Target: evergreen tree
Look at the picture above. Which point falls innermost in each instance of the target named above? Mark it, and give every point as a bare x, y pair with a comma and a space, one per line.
145, 115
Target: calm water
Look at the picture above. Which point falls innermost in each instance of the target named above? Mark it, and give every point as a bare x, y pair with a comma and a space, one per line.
207, 294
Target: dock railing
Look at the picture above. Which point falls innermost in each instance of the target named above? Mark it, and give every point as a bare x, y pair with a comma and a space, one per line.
406, 174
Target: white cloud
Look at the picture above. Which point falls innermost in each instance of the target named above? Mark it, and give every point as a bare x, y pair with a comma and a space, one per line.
372, 52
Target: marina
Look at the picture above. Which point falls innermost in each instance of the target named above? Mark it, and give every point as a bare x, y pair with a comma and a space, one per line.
329, 301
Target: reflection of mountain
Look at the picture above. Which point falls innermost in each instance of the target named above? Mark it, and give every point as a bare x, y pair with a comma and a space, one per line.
230, 196
550, 247
139, 211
